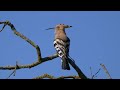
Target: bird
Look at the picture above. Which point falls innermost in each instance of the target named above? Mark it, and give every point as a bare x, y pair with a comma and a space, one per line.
61, 44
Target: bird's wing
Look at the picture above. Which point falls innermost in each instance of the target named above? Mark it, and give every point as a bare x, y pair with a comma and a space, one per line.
62, 47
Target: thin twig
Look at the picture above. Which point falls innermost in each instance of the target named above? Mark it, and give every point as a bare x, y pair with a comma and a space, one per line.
14, 71
106, 71
10, 74
2, 28
16, 67
91, 72
96, 73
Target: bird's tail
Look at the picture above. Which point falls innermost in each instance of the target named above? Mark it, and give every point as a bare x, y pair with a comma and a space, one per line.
65, 64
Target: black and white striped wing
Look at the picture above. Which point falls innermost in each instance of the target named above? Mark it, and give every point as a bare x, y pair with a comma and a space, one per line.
62, 47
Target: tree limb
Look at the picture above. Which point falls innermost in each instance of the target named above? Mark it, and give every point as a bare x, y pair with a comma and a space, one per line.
29, 65
96, 73
80, 73
45, 76
69, 77
40, 59
105, 69
52, 77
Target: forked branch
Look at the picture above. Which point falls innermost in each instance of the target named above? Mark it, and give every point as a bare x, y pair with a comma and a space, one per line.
40, 59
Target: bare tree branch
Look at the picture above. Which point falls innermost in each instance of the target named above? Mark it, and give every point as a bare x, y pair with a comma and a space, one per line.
30, 65
2, 28
106, 71
80, 73
69, 77
91, 72
14, 71
40, 59
96, 73
45, 76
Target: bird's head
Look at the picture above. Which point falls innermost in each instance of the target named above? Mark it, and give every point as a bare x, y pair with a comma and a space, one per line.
60, 27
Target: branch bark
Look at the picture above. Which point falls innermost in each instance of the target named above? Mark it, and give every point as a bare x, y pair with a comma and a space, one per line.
80, 73
52, 77
106, 71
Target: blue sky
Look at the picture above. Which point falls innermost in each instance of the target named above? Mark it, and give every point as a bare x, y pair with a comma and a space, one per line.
94, 39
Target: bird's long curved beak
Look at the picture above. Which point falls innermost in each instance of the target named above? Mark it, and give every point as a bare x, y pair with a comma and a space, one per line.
66, 26
50, 28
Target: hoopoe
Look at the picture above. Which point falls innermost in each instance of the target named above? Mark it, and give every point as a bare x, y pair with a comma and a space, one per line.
62, 44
